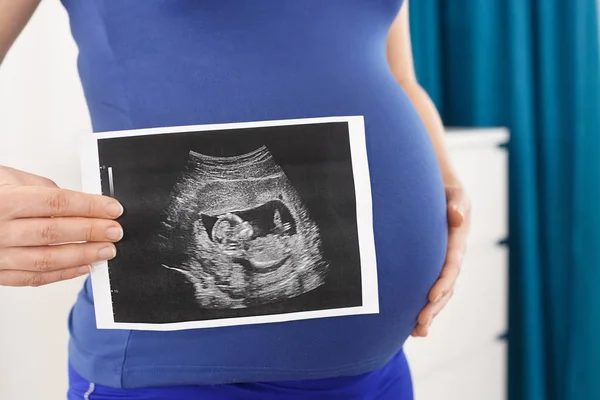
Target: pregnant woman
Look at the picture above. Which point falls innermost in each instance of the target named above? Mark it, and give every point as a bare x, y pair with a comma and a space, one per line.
159, 63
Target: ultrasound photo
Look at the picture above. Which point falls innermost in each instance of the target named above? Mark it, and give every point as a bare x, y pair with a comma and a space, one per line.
235, 224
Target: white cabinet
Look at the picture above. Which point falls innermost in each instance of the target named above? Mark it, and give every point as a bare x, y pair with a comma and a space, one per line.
463, 357
480, 374
482, 166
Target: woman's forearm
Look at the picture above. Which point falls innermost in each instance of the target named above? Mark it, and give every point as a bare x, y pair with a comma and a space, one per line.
13, 17
400, 59
430, 116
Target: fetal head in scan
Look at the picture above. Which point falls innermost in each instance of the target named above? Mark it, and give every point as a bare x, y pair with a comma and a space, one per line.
237, 229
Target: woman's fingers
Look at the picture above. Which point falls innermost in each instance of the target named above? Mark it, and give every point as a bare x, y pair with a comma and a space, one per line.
459, 207
433, 309
449, 274
28, 278
48, 234
425, 318
459, 211
34, 201
419, 331
48, 231
456, 216
50, 258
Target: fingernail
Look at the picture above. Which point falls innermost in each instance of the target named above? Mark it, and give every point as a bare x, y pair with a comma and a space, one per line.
107, 253
429, 322
439, 298
114, 233
85, 269
114, 209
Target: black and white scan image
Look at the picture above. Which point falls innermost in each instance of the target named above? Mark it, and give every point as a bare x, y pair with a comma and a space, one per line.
240, 233
239, 225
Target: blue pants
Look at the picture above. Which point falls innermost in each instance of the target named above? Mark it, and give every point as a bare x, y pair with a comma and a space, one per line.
392, 382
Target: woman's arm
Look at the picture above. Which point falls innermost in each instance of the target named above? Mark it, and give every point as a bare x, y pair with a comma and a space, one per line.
400, 59
14, 15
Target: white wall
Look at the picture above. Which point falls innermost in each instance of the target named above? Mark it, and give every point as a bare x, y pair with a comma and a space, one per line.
41, 112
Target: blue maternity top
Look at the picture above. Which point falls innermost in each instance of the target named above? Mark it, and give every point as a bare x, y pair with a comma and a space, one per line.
156, 63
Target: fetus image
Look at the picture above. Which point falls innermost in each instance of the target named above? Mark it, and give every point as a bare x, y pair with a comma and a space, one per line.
238, 231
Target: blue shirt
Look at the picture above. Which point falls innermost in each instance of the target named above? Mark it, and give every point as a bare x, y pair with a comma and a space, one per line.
159, 63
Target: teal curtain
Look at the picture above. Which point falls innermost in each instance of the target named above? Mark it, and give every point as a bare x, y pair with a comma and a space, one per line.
533, 66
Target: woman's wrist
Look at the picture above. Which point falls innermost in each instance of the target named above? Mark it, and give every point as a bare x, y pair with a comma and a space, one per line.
450, 177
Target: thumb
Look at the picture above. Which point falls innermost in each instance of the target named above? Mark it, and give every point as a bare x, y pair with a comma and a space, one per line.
12, 176
456, 216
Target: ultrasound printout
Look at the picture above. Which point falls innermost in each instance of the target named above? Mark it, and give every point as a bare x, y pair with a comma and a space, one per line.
235, 224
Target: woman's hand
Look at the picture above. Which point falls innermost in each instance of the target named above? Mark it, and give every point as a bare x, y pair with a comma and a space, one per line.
459, 218
400, 59
37, 218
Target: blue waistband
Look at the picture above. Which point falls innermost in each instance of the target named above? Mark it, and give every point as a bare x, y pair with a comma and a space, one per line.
390, 382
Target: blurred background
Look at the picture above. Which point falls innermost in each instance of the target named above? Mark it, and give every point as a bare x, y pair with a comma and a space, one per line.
518, 85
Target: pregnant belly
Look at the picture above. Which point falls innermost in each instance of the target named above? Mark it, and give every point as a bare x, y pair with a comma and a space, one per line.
409, 222
410, 238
